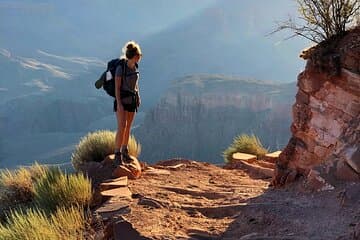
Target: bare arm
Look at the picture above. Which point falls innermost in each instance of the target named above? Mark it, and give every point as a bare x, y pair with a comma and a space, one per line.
138, 91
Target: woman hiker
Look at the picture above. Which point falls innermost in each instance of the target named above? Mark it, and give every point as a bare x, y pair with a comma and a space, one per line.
126, 87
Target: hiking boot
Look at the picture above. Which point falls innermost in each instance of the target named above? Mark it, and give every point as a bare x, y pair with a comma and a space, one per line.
125, 156
118, 159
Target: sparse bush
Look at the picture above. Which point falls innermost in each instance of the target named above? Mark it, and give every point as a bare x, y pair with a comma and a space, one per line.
246, 144
323, 19
59, 200
93, 147
57, 189
17, 185
97, 145
37, 171
134, 147
65, 223
47, 187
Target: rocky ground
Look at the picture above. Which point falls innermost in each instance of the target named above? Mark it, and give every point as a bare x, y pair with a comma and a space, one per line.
182, 199
316, 175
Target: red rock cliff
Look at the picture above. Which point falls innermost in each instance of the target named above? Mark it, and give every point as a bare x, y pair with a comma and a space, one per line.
326, 114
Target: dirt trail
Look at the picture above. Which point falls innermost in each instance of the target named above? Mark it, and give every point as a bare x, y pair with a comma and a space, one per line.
202, 201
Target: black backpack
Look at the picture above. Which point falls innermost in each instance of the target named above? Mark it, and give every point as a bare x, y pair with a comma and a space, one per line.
109, 85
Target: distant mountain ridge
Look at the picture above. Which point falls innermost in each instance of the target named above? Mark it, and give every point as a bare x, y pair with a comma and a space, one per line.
228, 38
47, 73
200, 115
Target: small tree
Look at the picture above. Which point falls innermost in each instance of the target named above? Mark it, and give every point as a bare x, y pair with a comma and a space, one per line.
323, 18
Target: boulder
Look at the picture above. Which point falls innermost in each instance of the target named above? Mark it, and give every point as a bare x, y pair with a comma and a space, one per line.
243, 157
114, 183
96, 171
117, 192
272, 157
131, 170
109, 210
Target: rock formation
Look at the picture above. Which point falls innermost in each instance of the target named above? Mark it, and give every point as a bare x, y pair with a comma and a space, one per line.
211, 110
326, 116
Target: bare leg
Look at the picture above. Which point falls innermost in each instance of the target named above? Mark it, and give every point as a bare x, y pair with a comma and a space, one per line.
121, 123
129, 116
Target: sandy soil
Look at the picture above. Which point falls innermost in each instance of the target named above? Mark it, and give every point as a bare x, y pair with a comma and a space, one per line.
202, 201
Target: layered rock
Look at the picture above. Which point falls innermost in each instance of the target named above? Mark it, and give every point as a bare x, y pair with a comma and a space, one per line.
201, 114
326, 115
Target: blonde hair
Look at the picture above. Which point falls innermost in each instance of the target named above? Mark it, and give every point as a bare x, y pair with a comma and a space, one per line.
130, 50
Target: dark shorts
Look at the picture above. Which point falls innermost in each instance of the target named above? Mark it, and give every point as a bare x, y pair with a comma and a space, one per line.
126, 107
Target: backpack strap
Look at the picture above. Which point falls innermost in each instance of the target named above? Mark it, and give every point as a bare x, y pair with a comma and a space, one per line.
123, 65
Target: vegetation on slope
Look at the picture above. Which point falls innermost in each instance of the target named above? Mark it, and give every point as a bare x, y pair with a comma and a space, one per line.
245, 144
97, 145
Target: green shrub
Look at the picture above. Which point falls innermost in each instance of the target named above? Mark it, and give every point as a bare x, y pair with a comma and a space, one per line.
17, 185
97, 145
134, 147
37, 171
246, 144
34, 224
60, 200
93, 147
57, 189
47, 187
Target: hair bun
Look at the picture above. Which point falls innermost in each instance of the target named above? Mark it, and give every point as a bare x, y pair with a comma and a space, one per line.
130, 50
130, 46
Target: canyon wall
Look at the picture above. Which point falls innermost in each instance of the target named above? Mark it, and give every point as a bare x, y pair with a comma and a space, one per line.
326, 115
199, 117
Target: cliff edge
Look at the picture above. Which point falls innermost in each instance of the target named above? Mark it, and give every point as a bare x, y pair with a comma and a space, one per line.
185, 199
325, 130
